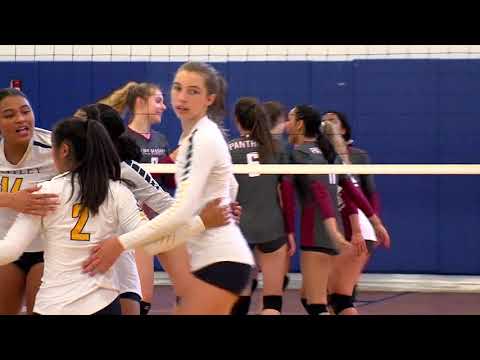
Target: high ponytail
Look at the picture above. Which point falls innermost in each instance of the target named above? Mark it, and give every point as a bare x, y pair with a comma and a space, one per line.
118, 99
127, 149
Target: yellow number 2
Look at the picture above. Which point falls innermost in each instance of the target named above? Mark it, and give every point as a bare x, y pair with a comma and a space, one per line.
82, 214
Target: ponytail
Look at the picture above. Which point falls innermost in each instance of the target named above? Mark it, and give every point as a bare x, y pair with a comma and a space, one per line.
94, 159
312, 123
127, 149
118, 99
252, 117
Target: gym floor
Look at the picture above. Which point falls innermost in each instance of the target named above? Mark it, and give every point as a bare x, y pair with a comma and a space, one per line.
368, 303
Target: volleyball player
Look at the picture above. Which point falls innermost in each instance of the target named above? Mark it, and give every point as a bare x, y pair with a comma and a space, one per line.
277, 115
221, 260
147, 192
145, 106
321, 236
262, 222
25, 160
348, 267
94, 205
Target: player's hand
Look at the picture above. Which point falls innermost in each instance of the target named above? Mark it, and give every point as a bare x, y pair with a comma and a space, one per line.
358, 243
292, 245
341, 242
383, 236
25, 201
236, 211
173, 155
213, 215
103, 256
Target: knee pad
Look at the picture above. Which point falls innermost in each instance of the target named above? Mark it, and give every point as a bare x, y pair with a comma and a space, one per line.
317, 309
274, 302
241, 307
145, 307
340, 302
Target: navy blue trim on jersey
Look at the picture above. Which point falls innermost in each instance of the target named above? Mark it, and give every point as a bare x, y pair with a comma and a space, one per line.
188, 163
36, 143
146, 176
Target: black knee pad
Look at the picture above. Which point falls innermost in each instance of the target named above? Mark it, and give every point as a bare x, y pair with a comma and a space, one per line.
145, 307
286, 281
274, 302
242, 306
340, 302
317, 309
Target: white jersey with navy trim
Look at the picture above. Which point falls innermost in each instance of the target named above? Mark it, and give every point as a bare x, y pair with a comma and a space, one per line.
147, 191
69, 234
144, 187
204, 173
35, 166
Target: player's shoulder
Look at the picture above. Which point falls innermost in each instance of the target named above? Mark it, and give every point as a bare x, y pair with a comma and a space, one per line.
359, 154
118, 187
207, 135
55, 184
42, 138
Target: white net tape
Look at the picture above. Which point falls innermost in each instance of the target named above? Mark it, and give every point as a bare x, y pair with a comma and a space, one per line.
378, 169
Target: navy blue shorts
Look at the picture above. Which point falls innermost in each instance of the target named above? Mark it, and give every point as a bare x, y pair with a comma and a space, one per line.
132, 296
271, 246
113, 309
227, 275
29, 260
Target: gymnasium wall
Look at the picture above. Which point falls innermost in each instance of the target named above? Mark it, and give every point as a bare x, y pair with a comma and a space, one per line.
405, 111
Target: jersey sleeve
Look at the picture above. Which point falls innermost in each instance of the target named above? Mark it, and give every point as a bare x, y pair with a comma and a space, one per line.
287, 193
24, 230
357, 196
131, 217
367, 183
194, 228
322, 199
199, 158
144, 187
233, 188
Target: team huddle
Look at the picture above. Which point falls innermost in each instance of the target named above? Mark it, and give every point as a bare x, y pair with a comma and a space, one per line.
81, 221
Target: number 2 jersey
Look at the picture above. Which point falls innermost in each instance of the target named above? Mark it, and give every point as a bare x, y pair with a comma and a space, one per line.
35, 166
70, 233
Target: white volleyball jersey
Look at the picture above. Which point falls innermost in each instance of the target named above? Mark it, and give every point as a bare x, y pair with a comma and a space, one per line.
205, 172
69, 234
35, 166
